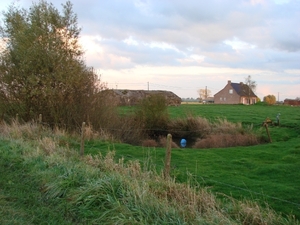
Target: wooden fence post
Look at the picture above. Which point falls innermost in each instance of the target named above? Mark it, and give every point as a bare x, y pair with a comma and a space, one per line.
82, 139
266, 125
168, 157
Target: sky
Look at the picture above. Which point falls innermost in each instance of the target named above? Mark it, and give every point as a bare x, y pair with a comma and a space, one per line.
183, 46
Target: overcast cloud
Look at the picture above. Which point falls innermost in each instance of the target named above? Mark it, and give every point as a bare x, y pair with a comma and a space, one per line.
183, 46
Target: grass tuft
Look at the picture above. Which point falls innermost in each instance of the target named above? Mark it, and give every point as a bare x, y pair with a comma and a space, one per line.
48, 145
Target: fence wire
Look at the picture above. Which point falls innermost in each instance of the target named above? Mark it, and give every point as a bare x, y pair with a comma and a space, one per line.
198, 177
250, 191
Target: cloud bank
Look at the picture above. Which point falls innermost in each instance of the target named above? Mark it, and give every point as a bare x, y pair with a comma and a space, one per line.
183, 46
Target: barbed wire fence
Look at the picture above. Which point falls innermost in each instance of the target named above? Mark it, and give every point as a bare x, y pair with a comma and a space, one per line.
250, 191
167, 172
167, 169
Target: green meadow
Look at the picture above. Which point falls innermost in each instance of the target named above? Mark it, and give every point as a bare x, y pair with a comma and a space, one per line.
266, 173
44, 180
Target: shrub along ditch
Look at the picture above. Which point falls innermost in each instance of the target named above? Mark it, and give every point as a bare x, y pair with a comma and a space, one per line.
150, 122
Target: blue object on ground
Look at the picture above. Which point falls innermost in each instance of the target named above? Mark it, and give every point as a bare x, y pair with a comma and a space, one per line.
183, 143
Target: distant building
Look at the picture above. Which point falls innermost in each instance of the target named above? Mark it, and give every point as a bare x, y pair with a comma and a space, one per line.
235, 93
207, 100
132, 97
292, 102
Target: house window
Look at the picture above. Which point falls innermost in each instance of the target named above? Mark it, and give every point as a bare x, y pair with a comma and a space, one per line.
224, 98
220, 98
230, 91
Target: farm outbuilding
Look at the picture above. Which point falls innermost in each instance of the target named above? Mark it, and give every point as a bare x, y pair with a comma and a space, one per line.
132, 97
292, 102
235, 93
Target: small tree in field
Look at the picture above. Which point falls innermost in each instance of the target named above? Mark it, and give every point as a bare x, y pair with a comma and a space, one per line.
270, 99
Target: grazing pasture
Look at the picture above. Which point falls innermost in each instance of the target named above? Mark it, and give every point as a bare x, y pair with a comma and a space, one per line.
44, 179
267, 173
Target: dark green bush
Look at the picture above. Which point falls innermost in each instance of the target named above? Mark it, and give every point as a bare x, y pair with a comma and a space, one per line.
152, 113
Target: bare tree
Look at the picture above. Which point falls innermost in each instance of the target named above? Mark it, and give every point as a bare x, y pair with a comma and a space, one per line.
204, 93
252, 86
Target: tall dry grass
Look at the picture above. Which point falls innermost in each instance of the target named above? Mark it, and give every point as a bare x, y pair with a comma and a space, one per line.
226, 140
217, 134
16, 130
190, 127
223, 126
195, 204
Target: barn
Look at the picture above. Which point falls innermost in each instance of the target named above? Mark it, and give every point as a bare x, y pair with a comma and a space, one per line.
124, 97
292, 102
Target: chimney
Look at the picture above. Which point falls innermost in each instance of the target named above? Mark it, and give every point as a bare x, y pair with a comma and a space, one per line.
229, 81
241, 83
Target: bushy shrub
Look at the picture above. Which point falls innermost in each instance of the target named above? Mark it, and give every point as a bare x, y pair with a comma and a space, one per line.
152, 114
270, 99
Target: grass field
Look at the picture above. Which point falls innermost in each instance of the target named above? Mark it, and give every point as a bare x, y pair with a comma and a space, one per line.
267, 173
43, 180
